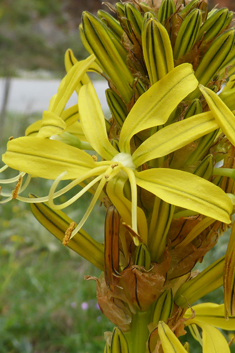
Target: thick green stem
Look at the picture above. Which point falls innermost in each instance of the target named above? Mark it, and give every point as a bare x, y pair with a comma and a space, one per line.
224, 172
138, 335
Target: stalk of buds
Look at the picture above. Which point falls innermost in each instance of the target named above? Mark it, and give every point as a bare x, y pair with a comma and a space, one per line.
165, 173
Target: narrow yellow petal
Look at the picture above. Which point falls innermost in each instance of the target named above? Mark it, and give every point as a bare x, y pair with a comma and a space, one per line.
47, 158
174, 136
93, 122
154, 107
212, 314
223, 115
170, 342
213, 340
188, 191
124, 206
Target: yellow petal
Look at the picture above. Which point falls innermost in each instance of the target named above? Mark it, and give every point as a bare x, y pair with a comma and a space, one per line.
69, 84
213, 340
223, 115
51, 125
93, 122
170, 342
174, 136
154, 107
46, 158
115, 192
212, 314
188, 191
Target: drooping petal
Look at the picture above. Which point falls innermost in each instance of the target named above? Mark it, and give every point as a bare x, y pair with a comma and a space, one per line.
170, 342
47, 158
213, 340
223, 115
212, 314
174, 136
154, 107
115, 192
93, 122
188, 191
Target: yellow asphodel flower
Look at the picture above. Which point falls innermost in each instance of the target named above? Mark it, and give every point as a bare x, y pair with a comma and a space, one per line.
51, 159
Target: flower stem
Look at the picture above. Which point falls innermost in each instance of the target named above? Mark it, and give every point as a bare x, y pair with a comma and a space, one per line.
138, 335
227, 172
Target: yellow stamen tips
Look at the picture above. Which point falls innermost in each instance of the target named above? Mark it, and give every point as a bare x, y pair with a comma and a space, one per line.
68, 233
17, 188
94, 158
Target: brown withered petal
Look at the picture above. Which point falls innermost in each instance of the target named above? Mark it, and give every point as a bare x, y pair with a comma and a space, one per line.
144, 287
115, 309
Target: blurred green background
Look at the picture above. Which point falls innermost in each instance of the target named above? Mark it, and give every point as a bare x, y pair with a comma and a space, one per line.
46, 306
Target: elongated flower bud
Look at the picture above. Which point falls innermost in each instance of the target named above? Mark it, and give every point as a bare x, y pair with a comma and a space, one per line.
159, 226
111, 23
164, 306
111, 250
142, 256
204, 144
215, 56
189, 7
157, 50
110, 54
134, 21
118, 342
194, 108
166, 9
204, 283
205, 168
56, 222
188, 33
117, 107
219, 20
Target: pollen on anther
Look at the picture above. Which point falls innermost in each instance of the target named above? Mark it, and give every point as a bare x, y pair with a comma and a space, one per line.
68, 233
16, 190
94, 158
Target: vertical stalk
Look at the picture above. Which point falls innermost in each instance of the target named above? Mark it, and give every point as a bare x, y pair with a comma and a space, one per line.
138, 335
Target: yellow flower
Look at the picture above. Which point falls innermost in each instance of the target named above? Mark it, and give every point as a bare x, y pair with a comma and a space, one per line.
51, 159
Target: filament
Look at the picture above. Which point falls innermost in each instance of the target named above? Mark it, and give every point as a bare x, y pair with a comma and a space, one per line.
132, 180
91, 206
53, 194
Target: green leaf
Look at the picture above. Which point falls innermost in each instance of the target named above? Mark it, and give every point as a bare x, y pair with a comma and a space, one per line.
93, 122
188, 191
46, 158
154, 107
174, 136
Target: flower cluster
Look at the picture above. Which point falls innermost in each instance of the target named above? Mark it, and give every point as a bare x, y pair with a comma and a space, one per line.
162, 166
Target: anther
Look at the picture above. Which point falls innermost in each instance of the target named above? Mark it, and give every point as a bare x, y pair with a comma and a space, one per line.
114, 165
94, 158
68, 233
16, 190
11, 138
